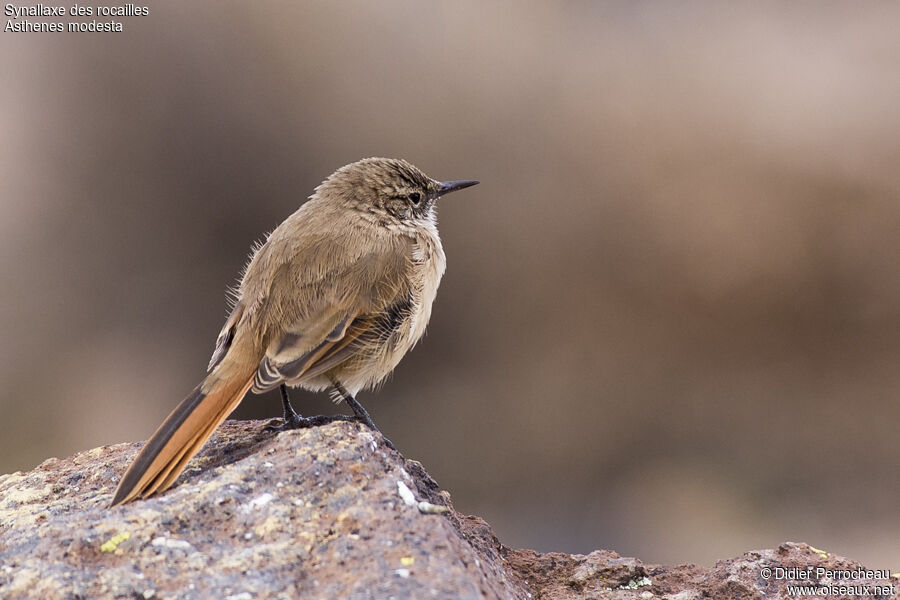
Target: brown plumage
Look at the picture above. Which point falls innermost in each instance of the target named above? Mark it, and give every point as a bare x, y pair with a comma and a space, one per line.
333, 299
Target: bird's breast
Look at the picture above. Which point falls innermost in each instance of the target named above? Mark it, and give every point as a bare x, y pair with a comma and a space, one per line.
427, 267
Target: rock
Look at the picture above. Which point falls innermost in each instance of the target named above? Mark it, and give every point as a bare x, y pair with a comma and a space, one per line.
327, 512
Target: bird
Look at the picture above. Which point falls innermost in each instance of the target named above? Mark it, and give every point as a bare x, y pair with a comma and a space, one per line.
331, 301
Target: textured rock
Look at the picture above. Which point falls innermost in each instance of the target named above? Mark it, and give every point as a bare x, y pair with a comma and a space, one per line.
327, 512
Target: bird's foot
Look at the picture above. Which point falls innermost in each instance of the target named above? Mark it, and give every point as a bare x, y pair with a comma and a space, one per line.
295, 421
360, 414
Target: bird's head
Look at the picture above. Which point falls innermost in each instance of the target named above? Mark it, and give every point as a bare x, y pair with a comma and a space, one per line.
388, 185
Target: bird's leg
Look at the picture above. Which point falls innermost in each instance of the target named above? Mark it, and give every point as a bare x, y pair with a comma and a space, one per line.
359, 413
292, 420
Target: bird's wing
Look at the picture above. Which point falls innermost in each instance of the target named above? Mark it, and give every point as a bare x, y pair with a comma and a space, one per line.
226, 336
292, 362
327, 303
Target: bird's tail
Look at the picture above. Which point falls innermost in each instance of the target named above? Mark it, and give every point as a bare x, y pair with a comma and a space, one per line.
184, 432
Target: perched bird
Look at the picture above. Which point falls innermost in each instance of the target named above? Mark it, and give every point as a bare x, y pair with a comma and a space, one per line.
333, 299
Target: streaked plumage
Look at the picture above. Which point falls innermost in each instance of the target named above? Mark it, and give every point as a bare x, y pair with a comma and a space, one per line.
334, 298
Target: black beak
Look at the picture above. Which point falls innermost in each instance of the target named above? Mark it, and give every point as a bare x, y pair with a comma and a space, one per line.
452, 186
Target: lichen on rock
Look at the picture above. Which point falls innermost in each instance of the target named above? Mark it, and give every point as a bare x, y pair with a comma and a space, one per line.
328, 512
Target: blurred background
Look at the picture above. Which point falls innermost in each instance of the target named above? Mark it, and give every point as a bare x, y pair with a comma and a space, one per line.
670, 324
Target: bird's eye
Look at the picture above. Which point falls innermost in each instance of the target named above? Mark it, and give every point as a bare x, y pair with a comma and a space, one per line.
415, 198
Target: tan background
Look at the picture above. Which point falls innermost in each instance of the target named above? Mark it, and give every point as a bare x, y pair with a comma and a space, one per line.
671, 320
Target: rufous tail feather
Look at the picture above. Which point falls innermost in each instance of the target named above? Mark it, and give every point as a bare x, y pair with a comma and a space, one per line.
181, 435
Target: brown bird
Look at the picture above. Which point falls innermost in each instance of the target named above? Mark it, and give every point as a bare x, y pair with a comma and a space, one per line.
333, 299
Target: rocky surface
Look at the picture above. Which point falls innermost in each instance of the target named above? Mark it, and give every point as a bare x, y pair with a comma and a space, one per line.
327, 512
